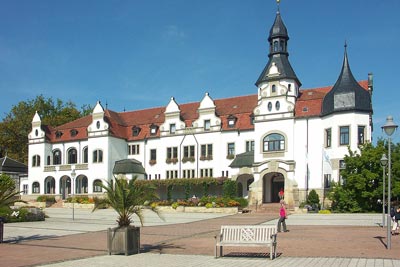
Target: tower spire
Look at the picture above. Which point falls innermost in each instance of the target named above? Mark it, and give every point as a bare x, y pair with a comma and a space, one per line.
277, 3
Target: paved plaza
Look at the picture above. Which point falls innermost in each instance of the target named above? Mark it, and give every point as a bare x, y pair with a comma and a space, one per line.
187, 239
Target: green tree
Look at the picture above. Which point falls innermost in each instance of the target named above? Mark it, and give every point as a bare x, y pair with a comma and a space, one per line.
361, 185
16, 125
229, 189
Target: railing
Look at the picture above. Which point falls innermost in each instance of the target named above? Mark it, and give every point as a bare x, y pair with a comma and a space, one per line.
66, 167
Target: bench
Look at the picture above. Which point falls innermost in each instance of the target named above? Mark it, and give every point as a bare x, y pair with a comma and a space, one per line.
247, 235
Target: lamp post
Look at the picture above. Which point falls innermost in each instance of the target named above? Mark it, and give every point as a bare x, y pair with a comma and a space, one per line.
384, 162
73, 175
389, 129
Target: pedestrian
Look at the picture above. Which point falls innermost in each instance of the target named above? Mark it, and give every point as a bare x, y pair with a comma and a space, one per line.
281, 194
282, 217
396, 219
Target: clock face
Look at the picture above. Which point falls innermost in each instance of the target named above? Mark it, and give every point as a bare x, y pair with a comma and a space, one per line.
346, 100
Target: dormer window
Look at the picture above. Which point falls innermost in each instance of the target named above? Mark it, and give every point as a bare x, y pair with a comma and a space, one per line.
98, 124
273, 90
58, 134
232, 121
135, 131
207, 125
172, 128
73, 132
252, 119
153, 129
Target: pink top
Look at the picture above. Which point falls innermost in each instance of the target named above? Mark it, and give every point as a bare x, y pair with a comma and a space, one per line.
282, 212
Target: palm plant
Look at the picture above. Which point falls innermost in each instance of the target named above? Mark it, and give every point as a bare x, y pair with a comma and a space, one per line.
8, 194
127, 198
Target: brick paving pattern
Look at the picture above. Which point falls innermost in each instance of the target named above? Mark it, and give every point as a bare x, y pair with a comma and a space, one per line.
197, 238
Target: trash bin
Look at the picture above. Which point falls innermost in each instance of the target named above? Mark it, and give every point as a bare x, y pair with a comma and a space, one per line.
1, 229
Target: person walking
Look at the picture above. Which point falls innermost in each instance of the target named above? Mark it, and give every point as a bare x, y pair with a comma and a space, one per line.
282, 217
281, 194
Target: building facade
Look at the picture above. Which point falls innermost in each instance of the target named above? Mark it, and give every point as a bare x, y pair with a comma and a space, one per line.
281, 137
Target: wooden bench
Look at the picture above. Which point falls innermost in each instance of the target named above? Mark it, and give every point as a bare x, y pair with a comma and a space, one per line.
247, 235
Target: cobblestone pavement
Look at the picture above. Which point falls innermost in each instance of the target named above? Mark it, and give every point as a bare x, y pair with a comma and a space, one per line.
313, 240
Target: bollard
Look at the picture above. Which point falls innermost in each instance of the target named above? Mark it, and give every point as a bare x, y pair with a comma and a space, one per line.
1, 229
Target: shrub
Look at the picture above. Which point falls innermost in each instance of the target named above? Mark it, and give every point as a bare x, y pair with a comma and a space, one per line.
324, 212
47, 199
313, 198
229, 189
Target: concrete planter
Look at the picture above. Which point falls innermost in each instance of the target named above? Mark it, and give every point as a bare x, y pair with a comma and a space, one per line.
123, 240
227, 210
78, 206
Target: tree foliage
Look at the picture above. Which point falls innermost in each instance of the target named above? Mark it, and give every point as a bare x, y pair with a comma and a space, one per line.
361, 184
17, 124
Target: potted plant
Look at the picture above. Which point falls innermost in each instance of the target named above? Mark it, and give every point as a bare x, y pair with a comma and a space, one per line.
127, 198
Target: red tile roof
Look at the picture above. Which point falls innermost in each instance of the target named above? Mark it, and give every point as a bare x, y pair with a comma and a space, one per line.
121, 124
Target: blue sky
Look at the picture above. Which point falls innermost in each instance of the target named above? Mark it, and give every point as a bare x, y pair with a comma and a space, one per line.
135, 54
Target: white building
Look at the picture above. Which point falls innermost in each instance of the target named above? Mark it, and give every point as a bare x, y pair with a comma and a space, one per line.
279, 137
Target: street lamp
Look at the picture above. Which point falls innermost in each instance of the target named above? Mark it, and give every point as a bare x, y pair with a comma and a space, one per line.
389, 129
384, 162
73, 175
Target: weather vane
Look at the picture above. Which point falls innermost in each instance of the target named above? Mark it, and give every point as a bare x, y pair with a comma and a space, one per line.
278, 2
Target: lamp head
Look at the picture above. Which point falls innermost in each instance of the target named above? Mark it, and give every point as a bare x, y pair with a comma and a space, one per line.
384, 160
389, 126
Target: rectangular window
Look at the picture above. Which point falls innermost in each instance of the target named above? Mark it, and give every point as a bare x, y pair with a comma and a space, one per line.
231, 149
188, 151
172, 174
327, 180
172, 152
133, 149
206, 173
206, 151
328, 137
207, 125
249, 145
25, 190
153, 154
344, 135
188, 173
172, 128
361, 135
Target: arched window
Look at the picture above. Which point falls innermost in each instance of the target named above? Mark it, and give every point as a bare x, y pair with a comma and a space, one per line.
35, 188
97, 186
97, 156
36, 161
49, 185
72, 156
85, 155
276, 46
274, 142
273, 89
56, 157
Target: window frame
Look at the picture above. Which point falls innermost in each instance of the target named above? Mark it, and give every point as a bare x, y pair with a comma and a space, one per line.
344, 136
277, 145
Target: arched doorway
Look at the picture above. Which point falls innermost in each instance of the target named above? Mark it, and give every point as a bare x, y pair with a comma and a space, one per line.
49, 185
278, 183
272, 184
65, 186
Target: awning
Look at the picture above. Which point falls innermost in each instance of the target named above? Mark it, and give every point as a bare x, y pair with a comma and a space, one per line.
128, 166
245, 159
